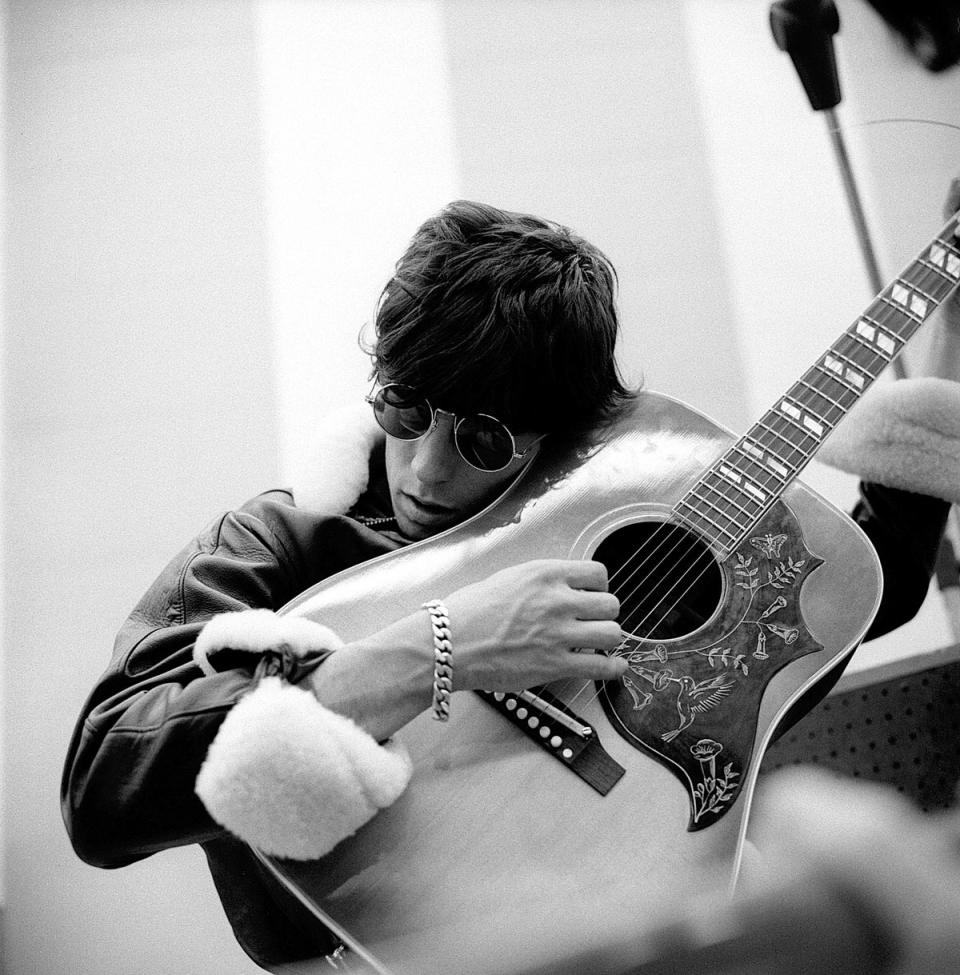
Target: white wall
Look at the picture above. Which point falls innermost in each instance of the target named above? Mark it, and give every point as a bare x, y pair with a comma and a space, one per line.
139, 395
203, 202
358, 150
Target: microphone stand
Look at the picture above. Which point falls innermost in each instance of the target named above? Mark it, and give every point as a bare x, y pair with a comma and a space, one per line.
805, 29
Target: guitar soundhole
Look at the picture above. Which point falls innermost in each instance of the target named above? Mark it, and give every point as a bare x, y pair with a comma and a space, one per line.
666, 578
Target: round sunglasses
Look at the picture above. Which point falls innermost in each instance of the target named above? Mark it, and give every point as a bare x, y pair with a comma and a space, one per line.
482, 441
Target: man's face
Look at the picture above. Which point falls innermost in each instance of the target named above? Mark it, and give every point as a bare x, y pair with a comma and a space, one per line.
432, 487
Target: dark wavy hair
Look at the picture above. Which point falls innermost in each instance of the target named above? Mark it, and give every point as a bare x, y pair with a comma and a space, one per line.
503, 313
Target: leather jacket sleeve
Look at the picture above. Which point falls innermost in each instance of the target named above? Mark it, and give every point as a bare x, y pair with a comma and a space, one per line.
906, 530
128, 783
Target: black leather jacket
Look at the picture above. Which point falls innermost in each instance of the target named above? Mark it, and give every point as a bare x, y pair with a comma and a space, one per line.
128, 782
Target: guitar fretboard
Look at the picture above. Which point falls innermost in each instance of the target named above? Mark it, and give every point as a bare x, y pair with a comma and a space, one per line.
739, 487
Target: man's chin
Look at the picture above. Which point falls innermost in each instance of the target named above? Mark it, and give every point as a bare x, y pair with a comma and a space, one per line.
417, 530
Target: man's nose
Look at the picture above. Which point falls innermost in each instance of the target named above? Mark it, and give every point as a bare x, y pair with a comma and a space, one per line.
436, 456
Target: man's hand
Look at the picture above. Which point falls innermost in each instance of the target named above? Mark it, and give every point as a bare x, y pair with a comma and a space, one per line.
515, 629
521, 626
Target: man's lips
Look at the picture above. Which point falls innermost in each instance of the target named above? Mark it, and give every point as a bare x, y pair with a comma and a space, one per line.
423, 507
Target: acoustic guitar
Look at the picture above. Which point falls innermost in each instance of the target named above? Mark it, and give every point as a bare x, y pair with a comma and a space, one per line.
743, 592
828, 921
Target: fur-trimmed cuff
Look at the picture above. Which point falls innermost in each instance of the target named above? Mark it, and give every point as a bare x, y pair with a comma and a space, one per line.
904, 434
293, 778
335, 471
258, 630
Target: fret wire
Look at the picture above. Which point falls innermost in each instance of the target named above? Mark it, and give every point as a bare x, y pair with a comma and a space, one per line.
875, 368
793, 425
822, 420
861, 341
725, 482
714, 505
934, 280
942, 274
787, 441
744, 494
883, 327
705, 518
882, 312
852, 363
769, 491
742, 443
856, 349
765, 471
797, 423
776, 433
946, 245
915, 287
894, 309
894, 322
819, 392
843, 396
899, 308
693, 524
837, 378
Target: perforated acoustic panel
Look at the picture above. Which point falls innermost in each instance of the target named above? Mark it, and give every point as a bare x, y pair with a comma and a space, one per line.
904, 731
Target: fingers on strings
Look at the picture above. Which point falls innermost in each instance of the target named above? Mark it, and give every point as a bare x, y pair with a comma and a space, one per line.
587, 575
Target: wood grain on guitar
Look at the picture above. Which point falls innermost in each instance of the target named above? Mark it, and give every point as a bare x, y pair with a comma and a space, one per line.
740, 589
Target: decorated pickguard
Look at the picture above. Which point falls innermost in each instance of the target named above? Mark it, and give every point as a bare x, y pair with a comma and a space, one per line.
693, 702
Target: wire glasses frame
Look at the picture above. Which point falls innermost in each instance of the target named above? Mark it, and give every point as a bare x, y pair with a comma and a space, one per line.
483, 441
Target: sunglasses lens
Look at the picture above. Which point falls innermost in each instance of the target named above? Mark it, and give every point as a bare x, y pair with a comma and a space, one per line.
485, 442
401, 413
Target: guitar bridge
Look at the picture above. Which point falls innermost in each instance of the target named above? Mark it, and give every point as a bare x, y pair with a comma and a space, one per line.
558, 730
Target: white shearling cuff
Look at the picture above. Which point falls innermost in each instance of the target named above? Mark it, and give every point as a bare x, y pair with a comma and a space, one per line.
331, 476
905, 434
292, 778
259, 630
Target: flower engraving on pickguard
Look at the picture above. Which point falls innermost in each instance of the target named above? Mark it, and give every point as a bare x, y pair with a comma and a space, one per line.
711, 792
776, 574
693, 694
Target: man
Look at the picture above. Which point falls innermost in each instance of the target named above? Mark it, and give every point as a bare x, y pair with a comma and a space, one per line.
496, 333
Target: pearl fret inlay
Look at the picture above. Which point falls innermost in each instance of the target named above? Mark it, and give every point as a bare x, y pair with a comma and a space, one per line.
736, 491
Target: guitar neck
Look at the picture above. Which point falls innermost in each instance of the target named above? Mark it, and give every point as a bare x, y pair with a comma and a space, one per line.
737, 490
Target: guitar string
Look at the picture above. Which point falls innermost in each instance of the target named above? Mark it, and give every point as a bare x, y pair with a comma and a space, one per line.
664, 533
702, 563
690, 544
707, 559
931, 280
828, 417
645, 557
671, 527
687, 541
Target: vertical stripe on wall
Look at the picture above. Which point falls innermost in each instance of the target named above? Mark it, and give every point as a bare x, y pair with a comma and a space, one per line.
359, 150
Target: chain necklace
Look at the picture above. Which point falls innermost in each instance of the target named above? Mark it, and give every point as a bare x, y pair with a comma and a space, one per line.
373, 522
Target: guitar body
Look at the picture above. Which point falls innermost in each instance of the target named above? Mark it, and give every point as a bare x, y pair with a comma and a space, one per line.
499, 856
